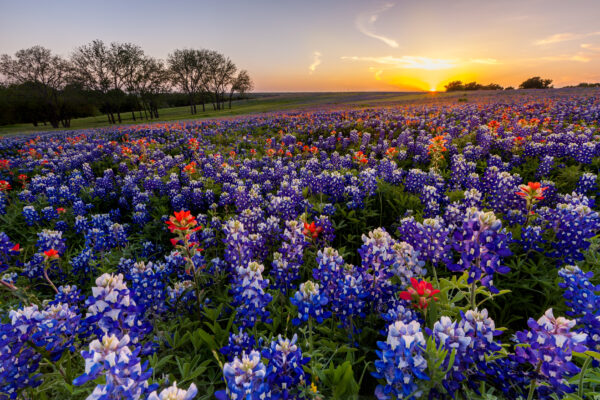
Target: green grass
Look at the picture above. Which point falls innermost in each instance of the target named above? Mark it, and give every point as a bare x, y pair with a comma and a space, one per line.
258, 104
261, 103
269, 102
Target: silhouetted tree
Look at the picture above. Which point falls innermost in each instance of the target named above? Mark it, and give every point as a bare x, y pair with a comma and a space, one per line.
454, 86
151, 79
241, 84
188, 70
221, 74
536, 83
92, 70
47, 73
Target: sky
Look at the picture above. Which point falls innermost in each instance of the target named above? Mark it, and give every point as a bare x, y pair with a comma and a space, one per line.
336, 45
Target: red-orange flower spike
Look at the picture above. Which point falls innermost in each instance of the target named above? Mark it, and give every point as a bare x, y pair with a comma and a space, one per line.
532, 191
51, 254
311, 230
183, 221
391, 152
420, 294
190, 168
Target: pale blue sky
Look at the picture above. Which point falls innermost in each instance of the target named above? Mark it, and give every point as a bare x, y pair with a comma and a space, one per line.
336, 45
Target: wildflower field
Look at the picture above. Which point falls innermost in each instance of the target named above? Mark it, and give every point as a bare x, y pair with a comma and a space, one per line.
440, 250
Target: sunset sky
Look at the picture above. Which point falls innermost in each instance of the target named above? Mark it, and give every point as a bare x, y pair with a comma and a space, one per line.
336, 45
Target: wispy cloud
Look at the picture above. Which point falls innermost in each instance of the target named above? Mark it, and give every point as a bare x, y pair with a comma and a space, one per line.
408, 62
365, 24
590, 47
316, 62
567, 57
378, 72
564, 37
486, 61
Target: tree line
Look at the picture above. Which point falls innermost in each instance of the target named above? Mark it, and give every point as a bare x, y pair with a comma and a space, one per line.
532, 83
38, 86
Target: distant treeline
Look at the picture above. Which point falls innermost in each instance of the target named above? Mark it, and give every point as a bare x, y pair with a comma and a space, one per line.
456, 86
585, 85
39, 87
532, 83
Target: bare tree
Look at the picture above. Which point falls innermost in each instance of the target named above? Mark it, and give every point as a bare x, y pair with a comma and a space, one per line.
241, 84
221, 74
49, 74
92, 69
188, 69
151, 79
123, 61
108, 70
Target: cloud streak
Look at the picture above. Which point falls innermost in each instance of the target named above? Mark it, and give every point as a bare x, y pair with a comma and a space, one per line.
365, 24
408, 62
316, 62
564, 37
485, 61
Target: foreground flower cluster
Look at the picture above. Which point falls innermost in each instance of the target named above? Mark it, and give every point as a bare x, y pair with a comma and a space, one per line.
440, 251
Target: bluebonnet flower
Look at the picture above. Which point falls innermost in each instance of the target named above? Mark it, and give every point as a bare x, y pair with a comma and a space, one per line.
461, 168
531, 238
416, 179
49, 213
245, 378
53, 329
68, 294
582, 297
3, 203
237, 344
481, 245
400, 310
348, 298
288, 260
175, 393
310, 302
250, 300
19, 362
181, 297
548, 346
31, 215
238, 248
327, 231
285, 374
506, 374
8, 250
56, 328
406, 263
328, 270
429, 238
586, 183
545, 167
147, 286
433, 200
573, 224
376, 268
125, 376
83, 263
400, 362
112, 310
141, 215
48, 239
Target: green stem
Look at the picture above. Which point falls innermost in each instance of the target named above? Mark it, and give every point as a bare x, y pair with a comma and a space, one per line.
310, 336
47, 278
533, 383
582, 375
473, 288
